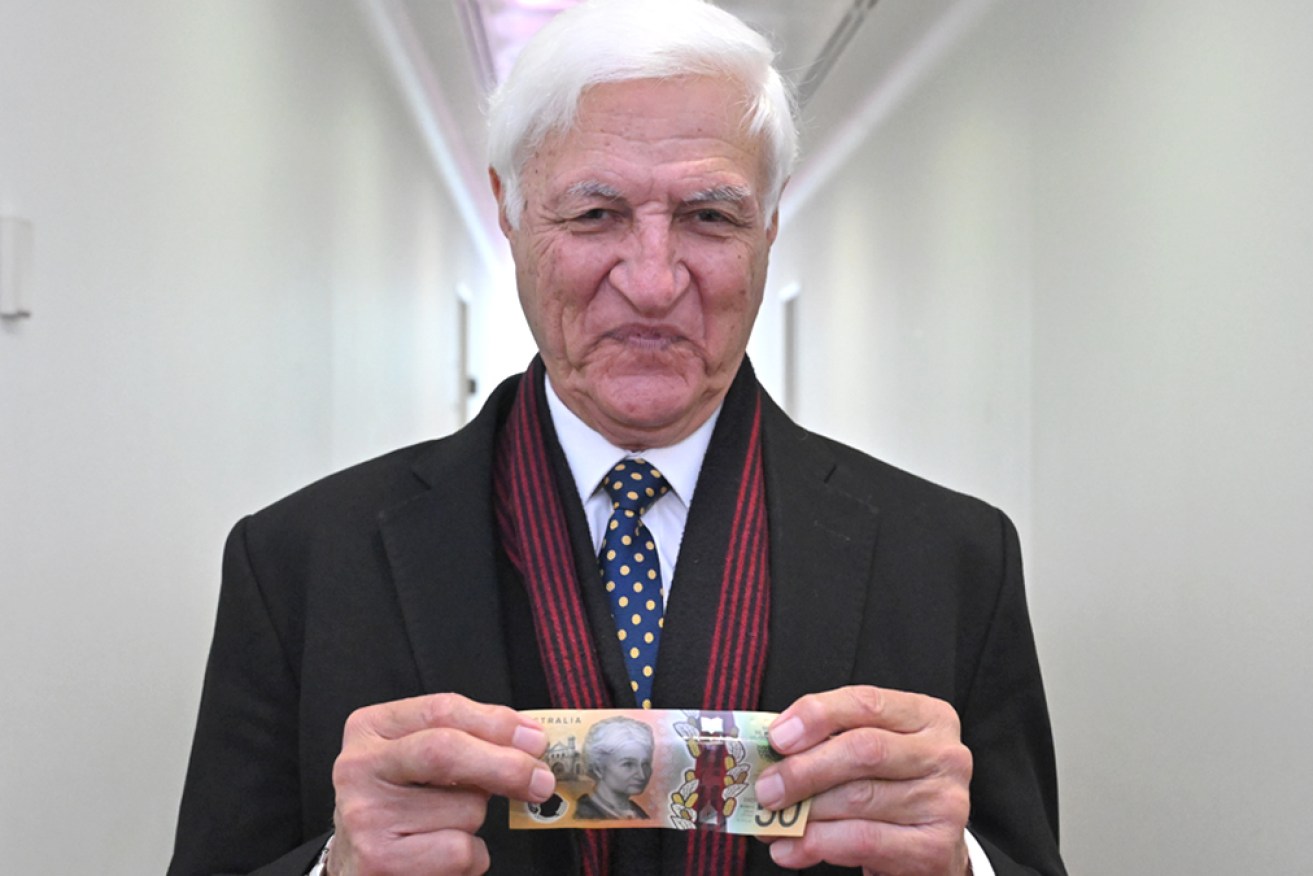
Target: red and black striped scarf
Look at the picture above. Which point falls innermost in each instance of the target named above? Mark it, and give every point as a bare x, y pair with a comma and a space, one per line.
532, 524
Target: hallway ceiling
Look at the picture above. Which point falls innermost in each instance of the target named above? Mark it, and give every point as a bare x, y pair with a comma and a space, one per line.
844, 57
496, 29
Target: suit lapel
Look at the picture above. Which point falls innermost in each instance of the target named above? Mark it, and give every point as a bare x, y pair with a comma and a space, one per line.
684, 661
822, 542
443, 551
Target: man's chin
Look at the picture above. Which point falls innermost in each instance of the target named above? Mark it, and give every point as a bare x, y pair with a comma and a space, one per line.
638, 407
647, 406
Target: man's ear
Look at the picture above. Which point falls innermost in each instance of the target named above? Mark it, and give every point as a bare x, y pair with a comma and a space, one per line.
774, 227
499, 193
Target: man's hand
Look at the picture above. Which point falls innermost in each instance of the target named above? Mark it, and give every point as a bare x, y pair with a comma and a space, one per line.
890, 779
413, 782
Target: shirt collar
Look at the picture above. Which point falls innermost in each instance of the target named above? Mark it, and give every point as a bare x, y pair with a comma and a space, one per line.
591, 456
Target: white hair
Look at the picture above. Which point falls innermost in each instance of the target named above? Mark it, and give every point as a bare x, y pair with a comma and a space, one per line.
602, 41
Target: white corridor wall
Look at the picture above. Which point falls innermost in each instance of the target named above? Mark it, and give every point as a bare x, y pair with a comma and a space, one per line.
244, 278
1071, 273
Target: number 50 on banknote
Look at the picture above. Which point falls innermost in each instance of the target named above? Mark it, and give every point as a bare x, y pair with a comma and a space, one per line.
684, 770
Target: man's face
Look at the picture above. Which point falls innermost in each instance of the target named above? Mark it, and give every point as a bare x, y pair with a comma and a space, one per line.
641, 254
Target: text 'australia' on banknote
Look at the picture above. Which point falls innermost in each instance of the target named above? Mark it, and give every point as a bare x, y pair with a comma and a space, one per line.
684, 770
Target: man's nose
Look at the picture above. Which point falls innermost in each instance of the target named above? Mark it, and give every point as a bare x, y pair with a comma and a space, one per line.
651, 272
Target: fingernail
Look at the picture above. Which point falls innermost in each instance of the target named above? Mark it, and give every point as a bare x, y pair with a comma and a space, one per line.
770, 789
780, 849
530, 740
786, 734
542, 784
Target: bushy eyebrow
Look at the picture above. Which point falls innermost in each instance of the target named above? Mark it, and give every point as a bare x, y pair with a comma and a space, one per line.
721, 195
591, 188
716, 194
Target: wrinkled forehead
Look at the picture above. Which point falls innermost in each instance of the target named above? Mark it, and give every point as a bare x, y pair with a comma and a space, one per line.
684, 126
731, 98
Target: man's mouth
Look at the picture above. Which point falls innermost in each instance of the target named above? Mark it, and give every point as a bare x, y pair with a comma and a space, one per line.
647, 339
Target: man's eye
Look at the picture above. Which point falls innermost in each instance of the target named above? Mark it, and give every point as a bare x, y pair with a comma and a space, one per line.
716, 220
596, 214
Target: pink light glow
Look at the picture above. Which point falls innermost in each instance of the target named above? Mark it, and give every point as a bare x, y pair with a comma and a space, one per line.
545, 5
509, 24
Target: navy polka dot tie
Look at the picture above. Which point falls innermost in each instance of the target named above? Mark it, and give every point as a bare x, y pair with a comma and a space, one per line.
631, 570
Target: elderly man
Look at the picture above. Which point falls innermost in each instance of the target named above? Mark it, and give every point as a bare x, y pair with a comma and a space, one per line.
421, 599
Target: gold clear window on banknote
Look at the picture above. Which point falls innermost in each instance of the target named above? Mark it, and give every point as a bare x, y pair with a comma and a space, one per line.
678, 769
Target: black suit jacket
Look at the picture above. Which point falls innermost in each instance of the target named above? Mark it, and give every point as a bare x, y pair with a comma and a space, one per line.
382, 582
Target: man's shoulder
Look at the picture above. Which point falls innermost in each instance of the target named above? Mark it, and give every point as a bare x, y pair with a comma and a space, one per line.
364, 487
867, 478
889, 483
361, 492
339, 515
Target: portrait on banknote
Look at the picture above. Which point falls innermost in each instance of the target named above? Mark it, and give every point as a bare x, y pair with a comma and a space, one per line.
617, 755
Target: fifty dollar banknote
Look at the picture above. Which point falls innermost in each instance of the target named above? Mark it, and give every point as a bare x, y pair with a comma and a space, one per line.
672, 768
